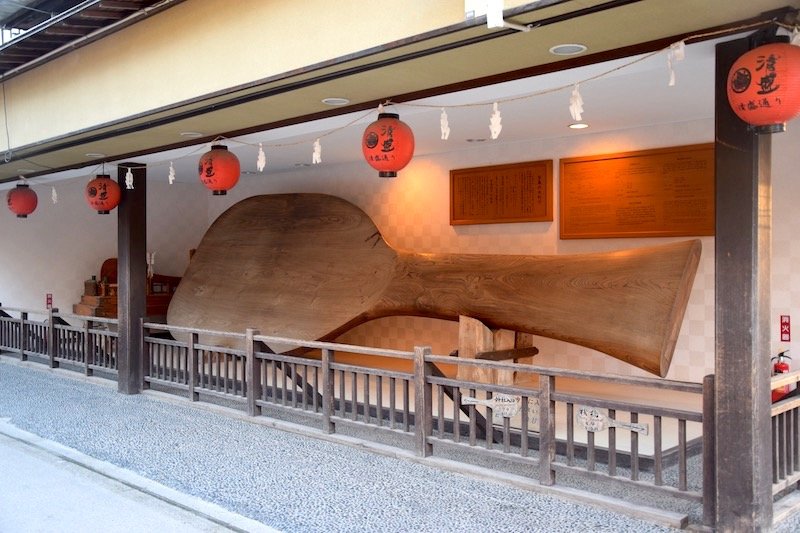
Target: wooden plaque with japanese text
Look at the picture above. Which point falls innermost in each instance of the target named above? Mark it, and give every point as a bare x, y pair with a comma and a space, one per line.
518, 192
651, 193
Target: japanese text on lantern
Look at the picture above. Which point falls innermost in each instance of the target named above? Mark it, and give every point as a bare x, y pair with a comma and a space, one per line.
767, 83
519, 192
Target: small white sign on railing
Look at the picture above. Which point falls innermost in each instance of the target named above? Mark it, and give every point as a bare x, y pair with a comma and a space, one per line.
506, 406
592, 419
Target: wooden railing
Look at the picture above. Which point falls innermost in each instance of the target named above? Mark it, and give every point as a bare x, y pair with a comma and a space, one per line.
91, 346
529, 425
786, 433
546, 422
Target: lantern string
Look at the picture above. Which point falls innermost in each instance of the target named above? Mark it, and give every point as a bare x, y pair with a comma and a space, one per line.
305, 141
573, 85
691, 38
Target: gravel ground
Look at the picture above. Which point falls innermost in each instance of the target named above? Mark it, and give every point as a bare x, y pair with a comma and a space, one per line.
284, 480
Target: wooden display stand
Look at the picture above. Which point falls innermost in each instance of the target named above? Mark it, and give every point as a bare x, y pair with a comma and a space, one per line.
100, 297
476, 341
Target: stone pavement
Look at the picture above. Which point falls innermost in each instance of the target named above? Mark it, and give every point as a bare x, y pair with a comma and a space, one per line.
46, 487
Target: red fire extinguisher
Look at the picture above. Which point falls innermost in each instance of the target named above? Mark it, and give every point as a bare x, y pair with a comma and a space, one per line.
781, 366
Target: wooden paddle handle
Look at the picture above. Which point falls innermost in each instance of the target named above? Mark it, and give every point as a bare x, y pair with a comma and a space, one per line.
628, 304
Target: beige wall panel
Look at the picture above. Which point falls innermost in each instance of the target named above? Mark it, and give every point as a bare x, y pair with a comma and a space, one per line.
200, 47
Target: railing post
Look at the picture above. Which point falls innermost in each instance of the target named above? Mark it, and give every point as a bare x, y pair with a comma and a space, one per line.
23, 335
251, 372
709, 446
423, 402
192, 356
328, 404
547, 430
52, 348
145, 351
88, 348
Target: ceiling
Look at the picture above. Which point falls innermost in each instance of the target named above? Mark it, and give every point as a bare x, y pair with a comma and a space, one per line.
464, 68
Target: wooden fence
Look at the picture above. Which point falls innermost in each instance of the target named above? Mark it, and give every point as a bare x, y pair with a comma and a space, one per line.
51, 338
547, 425
786, 434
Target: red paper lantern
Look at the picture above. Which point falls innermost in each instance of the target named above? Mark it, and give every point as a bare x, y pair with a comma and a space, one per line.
388, 144
22, 200
219, 169
102, 194
764, 86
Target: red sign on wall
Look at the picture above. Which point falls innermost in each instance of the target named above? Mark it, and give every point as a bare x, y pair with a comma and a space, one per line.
786, 328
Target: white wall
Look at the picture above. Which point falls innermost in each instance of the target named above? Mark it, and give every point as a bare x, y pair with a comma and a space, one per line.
198, 48
59, 246
785, 243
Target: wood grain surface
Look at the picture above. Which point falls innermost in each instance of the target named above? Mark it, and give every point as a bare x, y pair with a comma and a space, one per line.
311, 266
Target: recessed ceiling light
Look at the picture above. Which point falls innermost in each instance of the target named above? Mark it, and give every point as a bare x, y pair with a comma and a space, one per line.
335, 101
578, 125
191, 134
570, 49
95, 155
25, 170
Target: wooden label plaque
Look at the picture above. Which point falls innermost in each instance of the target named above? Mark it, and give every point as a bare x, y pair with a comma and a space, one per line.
518, 192
650, 193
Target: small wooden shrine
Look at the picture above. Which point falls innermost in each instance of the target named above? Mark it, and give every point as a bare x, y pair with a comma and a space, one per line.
100, 295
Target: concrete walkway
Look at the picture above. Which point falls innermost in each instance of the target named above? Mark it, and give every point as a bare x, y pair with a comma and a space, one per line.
78, 456
46, 487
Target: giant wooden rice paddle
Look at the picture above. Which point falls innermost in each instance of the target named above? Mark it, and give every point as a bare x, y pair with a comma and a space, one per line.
311, 266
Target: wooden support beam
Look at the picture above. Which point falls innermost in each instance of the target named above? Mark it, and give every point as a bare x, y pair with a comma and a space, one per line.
742, 385
477, 341
502, 355
474, 337
131, 276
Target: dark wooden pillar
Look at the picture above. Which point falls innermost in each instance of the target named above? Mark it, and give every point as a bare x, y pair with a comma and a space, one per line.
131, 276
743, 227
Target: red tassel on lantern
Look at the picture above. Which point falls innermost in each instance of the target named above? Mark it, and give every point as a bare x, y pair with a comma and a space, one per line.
22, 200
102, 194
219, 169
764, 86
388, 144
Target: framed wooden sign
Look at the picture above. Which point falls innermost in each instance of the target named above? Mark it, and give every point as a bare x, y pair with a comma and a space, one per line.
518, 192
650, 193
